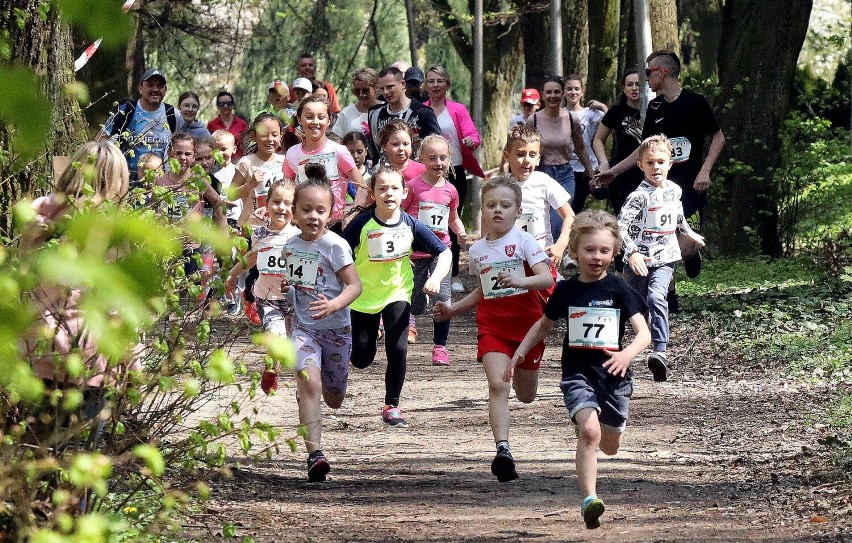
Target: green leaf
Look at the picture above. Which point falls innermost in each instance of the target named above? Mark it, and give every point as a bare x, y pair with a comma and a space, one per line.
152, 457
25, 109
99, 19
220, 368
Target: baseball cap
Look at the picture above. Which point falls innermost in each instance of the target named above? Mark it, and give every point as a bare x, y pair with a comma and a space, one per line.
530, 96
303, 83
152, 72
414, 74
278, 85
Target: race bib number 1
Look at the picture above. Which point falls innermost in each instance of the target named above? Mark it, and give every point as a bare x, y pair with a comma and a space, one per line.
301, 269
435, 216
533, 224
388, 244
593, 327
681, 148
270, 259
489, 278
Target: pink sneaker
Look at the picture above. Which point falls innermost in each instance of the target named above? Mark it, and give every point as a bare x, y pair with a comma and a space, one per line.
440, 356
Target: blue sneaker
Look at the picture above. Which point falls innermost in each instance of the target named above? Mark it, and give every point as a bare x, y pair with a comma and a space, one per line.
592, 509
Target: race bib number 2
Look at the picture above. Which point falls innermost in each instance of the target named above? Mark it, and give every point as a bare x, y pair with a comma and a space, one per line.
489, 278
593, 327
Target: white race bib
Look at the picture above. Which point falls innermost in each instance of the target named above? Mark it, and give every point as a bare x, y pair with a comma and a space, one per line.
389, 243
593, 327
180, 208
681, 148
272, 172
488, 278
302, 269
326, 160
533, 223
435, 216
661, 219
270, 259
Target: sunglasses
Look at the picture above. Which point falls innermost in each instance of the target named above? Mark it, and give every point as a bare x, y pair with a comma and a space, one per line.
225, 104
359, 92
649, 71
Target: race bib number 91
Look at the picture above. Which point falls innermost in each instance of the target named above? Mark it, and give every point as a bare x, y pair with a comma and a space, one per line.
489, 278
593, 327
532, 223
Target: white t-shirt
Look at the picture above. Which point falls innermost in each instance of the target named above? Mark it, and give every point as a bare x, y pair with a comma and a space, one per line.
225, 175
589, 120
508, 253
272, 172
350, 119
539, 194
448, 130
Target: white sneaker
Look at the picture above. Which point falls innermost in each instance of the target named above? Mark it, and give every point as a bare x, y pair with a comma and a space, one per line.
457, 286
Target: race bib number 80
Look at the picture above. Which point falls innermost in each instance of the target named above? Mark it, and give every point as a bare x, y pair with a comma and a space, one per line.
270, 259
593, 327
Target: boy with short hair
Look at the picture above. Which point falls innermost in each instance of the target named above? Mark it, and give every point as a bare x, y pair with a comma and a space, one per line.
225, 143
540, 192
649, 222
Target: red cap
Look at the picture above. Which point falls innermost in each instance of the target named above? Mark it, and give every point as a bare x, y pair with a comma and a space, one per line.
530, 96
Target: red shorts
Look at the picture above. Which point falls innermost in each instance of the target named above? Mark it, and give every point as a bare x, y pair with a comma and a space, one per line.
489, 343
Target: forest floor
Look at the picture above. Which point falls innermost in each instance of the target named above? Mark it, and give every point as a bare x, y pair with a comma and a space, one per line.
723, 451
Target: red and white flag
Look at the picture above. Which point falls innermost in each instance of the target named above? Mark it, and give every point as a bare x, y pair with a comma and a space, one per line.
87, 54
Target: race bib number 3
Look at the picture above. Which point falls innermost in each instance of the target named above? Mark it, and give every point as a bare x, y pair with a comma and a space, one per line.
435, 216
489, 273
593, 327
301, 269
270, 259
681, 148
389, 244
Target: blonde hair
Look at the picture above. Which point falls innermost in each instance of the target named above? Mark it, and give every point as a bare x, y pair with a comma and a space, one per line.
220, 135
367, 75
503, 181
100, 165
589, 222
442, 72
659, 142
434, 139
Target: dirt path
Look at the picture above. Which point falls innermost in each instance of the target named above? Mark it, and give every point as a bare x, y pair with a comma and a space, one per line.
712, 455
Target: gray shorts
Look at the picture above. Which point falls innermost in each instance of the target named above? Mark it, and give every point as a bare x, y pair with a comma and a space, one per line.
605, 393
275, 315
420, 301
328, 350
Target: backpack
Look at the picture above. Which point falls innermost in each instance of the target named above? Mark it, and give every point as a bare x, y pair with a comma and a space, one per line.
124, 114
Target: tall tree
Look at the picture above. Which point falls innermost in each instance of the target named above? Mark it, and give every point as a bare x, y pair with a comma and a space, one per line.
575, 37
42, 42
603, 49
754, 98
536, 28
704, 17
626, 39
664, 29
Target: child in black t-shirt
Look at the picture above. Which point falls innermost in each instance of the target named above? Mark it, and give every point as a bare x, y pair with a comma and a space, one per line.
596, 376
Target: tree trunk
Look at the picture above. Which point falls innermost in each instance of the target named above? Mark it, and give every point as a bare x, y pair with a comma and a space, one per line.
704, 17
536, 28
603, 49
575, 37
753, 101
664, 30
626, 40
46, 47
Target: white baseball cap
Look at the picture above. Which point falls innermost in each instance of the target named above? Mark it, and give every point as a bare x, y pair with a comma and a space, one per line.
303, 83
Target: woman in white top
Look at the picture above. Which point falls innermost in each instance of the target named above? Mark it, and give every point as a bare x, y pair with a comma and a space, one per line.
354, 116
589, 118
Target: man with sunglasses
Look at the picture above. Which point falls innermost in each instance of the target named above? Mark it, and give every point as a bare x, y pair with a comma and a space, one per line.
228, 120
686, 118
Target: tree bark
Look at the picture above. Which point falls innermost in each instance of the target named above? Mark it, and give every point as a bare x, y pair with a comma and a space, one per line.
603, 50
705, 19
536, 28
664, 30
626, 40
575, 37
46, 47
754, 99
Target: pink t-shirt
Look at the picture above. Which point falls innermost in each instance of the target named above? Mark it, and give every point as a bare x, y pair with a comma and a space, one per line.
412, 170
337, 162
433, 206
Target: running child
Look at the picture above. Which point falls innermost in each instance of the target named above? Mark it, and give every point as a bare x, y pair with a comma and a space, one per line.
267, 255
383, 238
539, 192
314, 118
356, 143
514, 275
321, 283
435, 202
597, 381
649, 222
395, 139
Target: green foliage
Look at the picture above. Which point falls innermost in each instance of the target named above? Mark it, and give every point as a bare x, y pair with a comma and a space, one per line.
24, 110
98, 19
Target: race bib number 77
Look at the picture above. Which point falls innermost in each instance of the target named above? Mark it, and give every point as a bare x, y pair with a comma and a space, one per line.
593, 327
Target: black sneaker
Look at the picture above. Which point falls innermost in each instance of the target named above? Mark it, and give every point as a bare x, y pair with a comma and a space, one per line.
318, 467
692, 265
657, 363
503, 466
